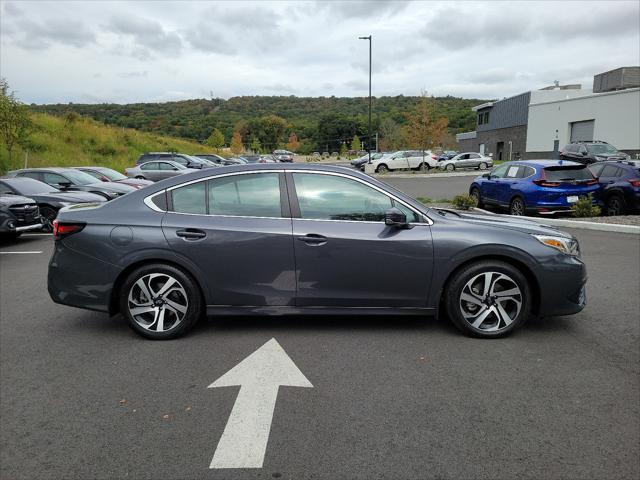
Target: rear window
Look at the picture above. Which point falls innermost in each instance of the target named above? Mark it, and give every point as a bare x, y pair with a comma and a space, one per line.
559, 174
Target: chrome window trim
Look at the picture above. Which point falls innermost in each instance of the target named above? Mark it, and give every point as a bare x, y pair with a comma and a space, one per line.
149, 203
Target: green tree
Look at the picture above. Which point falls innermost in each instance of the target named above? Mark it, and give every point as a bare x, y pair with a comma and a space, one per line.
15, 123
343, 149
356, 144
424, 130
392, 136
216, 139
255, 145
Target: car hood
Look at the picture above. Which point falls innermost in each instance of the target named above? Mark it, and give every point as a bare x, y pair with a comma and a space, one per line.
69, 197
112, 187
8, 200
507, 222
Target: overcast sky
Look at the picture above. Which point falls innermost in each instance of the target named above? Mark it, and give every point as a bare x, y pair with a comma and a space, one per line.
159, 51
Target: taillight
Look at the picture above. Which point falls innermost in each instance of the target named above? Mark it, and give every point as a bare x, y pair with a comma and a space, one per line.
61, 230
545, 183
591, 182
635, 182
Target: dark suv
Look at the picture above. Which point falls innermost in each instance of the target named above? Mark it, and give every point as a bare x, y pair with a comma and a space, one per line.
188, 161
18, 214
619, 184
591, 152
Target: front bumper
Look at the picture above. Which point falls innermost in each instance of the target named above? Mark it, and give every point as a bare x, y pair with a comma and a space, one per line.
13, 226
562, 286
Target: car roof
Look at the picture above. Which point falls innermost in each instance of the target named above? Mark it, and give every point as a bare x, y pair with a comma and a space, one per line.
544, 163
45, 169
623, 163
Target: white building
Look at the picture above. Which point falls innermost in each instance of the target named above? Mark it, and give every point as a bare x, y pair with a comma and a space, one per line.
613, 117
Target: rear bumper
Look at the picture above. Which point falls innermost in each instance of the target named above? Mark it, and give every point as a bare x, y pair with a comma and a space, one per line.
562, 286
79, 280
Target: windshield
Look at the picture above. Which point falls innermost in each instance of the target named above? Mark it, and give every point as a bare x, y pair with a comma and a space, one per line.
567, 173
600, 148
29, 186
79, 178
111, 174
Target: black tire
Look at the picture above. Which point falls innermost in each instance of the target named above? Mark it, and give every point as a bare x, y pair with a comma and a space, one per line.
382, 168
424, 166
455, 305
475, 193
49, 215
450, 167
192, 294
140, 177
517, 207
482, 166
615, 205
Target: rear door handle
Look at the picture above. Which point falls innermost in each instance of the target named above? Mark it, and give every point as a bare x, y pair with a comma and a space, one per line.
191, 234
313, 239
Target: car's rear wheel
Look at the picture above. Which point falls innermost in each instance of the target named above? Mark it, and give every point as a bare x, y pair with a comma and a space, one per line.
482, 166
424, 166
160, 302
475, 193
49, 215
382, 168
451, 167
140, 177
615, 205
488, 299
517, 207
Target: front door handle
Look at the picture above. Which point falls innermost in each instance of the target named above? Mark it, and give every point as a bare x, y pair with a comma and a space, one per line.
313, 239
191, 234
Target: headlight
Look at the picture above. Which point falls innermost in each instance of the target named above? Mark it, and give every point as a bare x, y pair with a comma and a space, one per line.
600, 158
565, 245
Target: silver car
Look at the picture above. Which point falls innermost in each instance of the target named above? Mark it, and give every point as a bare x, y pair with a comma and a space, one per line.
155, 171
466, 160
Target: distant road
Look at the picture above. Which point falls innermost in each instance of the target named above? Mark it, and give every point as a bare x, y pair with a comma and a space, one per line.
435, 188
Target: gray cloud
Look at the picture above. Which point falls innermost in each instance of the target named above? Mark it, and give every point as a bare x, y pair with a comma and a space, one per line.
11, 8
32, 35
361, 8
147, 36
132, 74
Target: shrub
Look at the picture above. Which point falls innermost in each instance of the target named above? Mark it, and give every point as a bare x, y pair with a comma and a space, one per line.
584, 207
464, 202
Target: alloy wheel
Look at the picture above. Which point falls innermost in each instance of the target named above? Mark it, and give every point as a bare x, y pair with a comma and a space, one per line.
157, 302
382, 169
482, 166
450, 167
517, 207
490, 301
614, 206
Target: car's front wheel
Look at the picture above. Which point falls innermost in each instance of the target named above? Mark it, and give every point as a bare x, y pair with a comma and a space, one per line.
382, 168
475, 193
488, 299
482, 166
49, 215
160, 302
451, 167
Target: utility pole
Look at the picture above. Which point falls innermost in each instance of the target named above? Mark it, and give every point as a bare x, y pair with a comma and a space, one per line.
369, 136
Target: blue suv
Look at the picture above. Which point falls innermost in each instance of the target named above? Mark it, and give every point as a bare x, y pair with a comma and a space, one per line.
544, 187
619, 184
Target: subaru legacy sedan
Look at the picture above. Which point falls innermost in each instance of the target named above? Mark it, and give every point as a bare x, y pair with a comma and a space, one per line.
306, 239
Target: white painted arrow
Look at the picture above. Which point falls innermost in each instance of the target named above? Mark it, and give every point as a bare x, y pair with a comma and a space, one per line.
244, 440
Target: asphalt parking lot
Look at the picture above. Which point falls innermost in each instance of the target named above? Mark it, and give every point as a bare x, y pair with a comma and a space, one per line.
84, 397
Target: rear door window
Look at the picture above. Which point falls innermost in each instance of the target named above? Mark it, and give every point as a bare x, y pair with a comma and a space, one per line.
54, 178
525, 171
250, 195
149, 166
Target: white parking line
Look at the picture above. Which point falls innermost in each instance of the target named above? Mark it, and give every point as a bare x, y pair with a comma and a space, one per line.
20, 253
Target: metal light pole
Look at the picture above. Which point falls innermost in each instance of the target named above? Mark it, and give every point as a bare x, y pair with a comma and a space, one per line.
369, 137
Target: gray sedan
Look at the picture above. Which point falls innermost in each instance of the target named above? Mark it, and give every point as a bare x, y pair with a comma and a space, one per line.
155, 171
466, 160
279, 239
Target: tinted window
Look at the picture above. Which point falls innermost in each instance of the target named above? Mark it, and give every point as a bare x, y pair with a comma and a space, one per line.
35, 175
500, 171
524, 171
111, 174
54, 178
329, 197
566, 173
251, 195
180, 160
596, 169
165, 166
29, 186
149, 166
190, 198
4, 189
610, 171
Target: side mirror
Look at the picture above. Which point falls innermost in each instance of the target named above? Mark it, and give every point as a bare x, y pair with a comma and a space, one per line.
486, 175
64, 185
395, 218
584, 153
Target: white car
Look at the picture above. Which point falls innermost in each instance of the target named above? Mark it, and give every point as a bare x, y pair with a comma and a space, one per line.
466, 160
406, 159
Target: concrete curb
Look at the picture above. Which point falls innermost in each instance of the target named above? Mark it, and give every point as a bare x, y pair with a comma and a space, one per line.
559, 222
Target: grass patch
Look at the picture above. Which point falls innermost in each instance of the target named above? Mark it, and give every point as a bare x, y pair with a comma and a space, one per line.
428, 200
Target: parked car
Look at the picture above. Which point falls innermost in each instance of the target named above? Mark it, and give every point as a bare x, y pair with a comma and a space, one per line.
49, 200
156, 171
466, 160
406, 159
18, 215
110, 175
217, 159
590, 152
545, 187
619, 185
360, 161
320, 226
258, 159
283, 156
70, 179
188, 161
